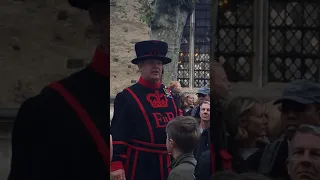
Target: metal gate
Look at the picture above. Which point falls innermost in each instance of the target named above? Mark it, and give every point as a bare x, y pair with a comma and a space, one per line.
286, 31
194, 58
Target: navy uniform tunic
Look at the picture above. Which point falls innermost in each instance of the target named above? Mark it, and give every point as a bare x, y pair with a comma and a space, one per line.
141, 113
60, 133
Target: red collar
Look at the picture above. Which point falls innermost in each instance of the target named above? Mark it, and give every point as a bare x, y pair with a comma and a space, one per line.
101, 62
148, 84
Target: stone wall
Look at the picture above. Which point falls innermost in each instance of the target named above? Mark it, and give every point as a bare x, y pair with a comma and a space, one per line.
41, 40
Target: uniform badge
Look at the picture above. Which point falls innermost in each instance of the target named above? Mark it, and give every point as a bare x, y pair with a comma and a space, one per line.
167, 92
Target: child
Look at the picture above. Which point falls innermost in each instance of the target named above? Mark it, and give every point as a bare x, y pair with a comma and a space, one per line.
182, 138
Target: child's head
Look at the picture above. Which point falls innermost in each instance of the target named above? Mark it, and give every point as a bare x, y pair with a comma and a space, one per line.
182, 134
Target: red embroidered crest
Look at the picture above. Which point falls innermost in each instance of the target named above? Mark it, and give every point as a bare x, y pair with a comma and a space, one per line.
157, 100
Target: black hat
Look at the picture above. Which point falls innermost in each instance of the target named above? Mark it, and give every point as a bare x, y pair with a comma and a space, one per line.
84, 4
152, 49
301, 91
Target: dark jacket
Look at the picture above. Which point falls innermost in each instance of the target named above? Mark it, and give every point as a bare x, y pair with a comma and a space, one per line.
183, 168
202, 170
204, 143
50, 142
271, 160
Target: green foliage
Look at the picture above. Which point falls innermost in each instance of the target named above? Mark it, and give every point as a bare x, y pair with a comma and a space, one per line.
145, 11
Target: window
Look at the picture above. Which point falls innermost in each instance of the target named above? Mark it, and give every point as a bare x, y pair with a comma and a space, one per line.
195, 48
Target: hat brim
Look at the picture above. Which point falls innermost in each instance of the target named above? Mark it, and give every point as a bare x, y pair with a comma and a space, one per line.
295, 99
164, 60
81, 4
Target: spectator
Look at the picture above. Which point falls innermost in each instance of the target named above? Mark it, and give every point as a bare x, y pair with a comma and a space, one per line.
246, 123
220, 90
203, 95
182, 138
204, 116
304, 154
176, 90
204, 143
202, 170
299, 104
187, 101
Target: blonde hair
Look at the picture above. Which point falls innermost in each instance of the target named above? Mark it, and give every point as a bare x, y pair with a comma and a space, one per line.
237, 108
185, 97
173, 84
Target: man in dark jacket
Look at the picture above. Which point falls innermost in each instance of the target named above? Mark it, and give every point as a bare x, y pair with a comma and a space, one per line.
203, 95
63, 133
300, 104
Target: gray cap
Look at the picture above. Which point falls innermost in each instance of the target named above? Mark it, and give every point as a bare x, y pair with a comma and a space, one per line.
301, 91
204, 90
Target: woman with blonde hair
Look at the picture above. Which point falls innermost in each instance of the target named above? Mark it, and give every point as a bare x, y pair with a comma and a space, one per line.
246, 123
187, 102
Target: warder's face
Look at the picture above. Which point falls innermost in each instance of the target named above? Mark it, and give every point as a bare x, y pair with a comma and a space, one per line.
151, 70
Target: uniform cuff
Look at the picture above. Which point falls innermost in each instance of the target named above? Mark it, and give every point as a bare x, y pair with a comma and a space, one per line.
116, 166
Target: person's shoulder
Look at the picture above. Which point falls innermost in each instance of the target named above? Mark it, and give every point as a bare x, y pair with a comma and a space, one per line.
183, 171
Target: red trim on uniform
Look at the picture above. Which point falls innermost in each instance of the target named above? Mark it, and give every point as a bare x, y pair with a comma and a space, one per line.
101, 62
180, 112
134, 165
119, 143
149, 144
140, 148
124, 156
168, 163
161, 166
87, 121
116, 165
146, 118
226, 160
175, 107
148, 84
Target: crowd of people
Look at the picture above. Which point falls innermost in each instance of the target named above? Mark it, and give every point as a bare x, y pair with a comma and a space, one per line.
159, 132
215, 135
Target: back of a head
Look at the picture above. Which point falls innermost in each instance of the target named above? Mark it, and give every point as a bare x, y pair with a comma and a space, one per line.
185, 132
226, 175
254, 176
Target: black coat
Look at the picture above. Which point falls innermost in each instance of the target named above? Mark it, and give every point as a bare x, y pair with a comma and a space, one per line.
275, 164
202, 170
50, 142
204, 143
